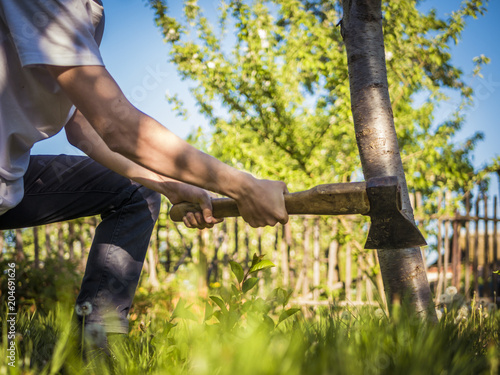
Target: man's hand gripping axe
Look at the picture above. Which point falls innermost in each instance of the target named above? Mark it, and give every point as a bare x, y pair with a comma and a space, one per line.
378, 198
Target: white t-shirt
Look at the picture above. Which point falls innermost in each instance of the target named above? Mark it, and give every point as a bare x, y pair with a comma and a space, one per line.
32, 105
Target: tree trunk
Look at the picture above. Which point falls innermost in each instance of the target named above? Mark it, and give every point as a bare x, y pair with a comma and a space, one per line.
402, 270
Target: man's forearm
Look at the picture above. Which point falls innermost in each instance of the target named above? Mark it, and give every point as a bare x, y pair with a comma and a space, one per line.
81, 135
142, 139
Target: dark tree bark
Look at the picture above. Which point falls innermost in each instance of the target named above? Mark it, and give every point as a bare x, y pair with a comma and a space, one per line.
403, 270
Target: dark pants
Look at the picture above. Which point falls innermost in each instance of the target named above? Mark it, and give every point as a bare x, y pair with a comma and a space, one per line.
59, 188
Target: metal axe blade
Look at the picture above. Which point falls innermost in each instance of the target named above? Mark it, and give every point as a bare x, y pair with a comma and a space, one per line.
390, 228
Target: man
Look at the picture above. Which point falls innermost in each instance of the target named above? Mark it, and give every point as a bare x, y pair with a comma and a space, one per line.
52, 76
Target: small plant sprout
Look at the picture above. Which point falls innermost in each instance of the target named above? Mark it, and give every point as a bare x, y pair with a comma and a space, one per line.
235, 305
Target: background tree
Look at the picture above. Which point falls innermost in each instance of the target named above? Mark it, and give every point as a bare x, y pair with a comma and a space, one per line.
271, 77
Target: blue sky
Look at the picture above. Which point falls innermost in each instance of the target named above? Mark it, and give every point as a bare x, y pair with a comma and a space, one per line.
136, 56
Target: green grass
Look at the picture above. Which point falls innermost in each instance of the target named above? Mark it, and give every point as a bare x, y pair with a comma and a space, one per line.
239, 331
331, 343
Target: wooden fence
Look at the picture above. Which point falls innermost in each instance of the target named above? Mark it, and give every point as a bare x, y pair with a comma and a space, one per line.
467, 244
320, 258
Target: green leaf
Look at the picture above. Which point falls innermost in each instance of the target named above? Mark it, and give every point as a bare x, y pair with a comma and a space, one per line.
235, 290
209, 311
219, 302
249, 284
268, 321
288, 313
262, 265
256, 259
237, 270
181, 311
280, 295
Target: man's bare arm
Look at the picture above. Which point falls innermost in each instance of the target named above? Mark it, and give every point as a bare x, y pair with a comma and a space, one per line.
81, 135
138, 137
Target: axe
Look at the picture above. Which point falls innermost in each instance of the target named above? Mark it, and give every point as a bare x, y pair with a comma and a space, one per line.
378, 198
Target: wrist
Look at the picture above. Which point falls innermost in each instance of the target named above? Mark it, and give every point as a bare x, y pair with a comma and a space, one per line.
240, 186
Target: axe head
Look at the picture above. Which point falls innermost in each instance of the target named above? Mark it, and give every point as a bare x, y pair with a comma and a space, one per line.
390, 228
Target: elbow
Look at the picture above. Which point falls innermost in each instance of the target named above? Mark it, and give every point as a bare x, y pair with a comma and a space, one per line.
70, 136
74, 134
119, 139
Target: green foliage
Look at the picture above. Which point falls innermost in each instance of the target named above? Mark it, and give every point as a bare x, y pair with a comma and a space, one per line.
41, 288
238, 309
342, 342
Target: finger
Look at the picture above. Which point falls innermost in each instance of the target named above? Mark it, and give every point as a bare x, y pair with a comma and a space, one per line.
284, 220
200, 221
192, 220
199, 218
186, 222
206, 209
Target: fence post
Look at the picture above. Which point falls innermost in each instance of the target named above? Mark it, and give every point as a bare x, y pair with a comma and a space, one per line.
446, 261
419, 206
316, 254
486, 265
236, 238
348, 270
439, 281
20, 256
285, 247
467, 244
333, 276
455, 250
36, 247
226, 275
475, 262
306, 260
359, 278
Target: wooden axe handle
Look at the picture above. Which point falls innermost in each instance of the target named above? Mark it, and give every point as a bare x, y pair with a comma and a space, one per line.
329, 199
